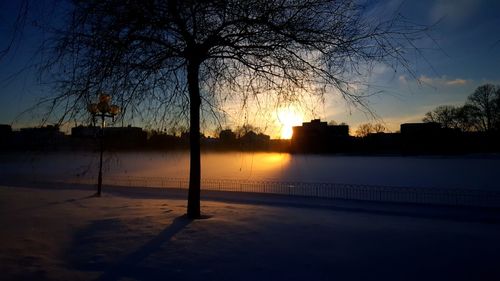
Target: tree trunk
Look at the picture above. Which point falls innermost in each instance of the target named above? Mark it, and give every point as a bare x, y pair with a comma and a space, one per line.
193, 208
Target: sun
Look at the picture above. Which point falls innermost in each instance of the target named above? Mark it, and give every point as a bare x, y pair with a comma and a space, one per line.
288, 118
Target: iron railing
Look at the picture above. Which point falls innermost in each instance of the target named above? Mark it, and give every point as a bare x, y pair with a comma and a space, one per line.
418, 195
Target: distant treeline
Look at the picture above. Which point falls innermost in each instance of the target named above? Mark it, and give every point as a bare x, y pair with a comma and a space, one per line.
132, 138
311, 137
480, 113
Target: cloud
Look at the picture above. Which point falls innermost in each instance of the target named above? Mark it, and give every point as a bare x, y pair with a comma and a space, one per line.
442, 81
428, 80
456, 82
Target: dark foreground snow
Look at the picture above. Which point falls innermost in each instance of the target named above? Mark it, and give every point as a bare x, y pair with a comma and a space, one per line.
61, 234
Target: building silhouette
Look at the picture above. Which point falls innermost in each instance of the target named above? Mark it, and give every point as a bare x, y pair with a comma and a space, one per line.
379, 143
125, 137
319, 137
85, 132
40, 138
253, 141
227, 136
114, 137
5, 136
311, 137
430, 138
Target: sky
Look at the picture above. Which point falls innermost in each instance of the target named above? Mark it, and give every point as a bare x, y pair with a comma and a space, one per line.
461, 53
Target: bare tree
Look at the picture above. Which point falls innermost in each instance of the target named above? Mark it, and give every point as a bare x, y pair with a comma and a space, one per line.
467, 118
485, 102
379, 128
464, 118
364, 130
446, 115
180, 60
481, 112
245, 129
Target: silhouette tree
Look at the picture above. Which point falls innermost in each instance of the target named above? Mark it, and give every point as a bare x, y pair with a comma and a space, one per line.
245, 129
446, 115
364, 130
379, 128
484, 102
466, 118
481, 112
176, 59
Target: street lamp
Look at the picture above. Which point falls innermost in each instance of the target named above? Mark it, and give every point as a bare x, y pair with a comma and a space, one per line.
102, 109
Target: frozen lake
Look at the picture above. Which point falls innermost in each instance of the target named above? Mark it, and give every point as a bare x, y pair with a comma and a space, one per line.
475, 172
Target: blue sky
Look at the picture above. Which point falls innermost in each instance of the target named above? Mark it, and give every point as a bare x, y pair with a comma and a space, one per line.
464, 53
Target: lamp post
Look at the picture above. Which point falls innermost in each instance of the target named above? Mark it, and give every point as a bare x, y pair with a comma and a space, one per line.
102, 109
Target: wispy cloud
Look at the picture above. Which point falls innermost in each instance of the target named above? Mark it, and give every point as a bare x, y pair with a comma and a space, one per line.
456, 82
442, 81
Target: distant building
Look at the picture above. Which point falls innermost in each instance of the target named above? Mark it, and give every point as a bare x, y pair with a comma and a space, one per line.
48, 130
5, 129
125, 137
421, 129
85, 131
47, 137
317, 136
252, 140
5, 136
227, 136
424, 138
227, 140
115, 137
379, 143
163, 141
185, 136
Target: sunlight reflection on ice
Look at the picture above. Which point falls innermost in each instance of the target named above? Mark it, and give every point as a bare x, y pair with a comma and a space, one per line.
478, 172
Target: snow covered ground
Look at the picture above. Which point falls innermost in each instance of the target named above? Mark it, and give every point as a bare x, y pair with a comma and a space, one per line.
140, 234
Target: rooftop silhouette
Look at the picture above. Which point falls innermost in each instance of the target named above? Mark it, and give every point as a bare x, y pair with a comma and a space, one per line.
315, 136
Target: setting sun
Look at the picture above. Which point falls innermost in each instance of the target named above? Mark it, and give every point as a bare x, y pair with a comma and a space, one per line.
288, 118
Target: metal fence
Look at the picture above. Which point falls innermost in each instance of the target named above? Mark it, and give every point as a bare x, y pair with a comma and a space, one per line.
418, 195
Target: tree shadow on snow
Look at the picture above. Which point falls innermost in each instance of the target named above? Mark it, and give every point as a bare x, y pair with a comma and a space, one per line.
128, 266
101, 246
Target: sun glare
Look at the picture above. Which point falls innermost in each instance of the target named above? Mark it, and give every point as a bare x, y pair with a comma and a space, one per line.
288, 118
